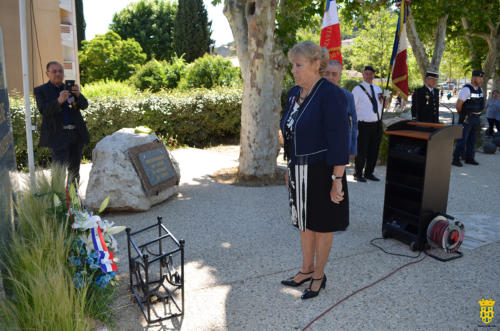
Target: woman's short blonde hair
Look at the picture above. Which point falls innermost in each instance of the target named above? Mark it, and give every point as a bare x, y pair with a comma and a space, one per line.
312, 52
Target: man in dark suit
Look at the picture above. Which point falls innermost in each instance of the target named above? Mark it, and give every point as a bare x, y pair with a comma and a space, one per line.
63, 130
425, 100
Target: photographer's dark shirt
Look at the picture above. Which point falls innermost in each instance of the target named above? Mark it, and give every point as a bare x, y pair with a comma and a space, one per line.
65, 106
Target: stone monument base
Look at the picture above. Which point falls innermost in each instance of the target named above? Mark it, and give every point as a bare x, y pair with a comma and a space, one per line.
113, 174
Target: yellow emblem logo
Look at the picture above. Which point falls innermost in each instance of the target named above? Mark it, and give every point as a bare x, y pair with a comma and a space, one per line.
487, 312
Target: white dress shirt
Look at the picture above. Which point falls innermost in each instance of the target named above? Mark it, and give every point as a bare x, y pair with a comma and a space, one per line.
364, 108
464, 94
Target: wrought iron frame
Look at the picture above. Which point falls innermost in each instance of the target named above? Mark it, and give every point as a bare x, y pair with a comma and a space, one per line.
141, 263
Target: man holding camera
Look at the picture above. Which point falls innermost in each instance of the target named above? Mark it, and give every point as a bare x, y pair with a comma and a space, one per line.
63, 130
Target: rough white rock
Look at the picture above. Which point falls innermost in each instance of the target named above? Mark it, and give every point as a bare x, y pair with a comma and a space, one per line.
113, 174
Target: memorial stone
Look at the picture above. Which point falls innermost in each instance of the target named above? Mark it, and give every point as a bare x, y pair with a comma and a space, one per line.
114, 173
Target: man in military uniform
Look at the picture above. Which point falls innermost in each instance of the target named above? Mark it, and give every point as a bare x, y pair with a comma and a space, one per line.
425, 100
470, 104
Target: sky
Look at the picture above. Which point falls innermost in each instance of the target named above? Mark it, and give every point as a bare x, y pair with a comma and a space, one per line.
99, 13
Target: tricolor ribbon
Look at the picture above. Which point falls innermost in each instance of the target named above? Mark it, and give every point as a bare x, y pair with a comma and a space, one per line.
105, 256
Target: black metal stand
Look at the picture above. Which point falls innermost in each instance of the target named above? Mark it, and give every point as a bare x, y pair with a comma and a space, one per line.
457, 255
163, 256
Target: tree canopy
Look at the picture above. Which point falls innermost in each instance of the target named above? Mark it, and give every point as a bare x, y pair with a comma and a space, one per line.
107, 56
80, 23
151, 24
373, 46
192, 30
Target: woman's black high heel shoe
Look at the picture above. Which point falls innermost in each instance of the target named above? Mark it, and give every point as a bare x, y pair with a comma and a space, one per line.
308, 293
291, 282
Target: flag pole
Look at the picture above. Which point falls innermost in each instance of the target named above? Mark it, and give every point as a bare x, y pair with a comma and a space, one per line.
386, 87
26, 89
401, 22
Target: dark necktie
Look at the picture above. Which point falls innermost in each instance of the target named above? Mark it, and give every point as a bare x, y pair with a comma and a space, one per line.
374, 101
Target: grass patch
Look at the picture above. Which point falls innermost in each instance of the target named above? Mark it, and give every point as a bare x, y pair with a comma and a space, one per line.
37, 278
42, 294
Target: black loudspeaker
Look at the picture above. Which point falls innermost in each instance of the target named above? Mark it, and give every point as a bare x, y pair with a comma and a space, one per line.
417, 179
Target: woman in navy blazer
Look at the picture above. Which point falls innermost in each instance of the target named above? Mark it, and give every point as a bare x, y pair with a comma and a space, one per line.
316, 141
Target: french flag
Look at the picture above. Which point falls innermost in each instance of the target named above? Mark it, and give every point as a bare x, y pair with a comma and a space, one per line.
105, 256
330, 31
399, 65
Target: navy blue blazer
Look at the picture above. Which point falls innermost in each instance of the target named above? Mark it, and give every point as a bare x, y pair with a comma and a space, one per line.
321, 128
52, 117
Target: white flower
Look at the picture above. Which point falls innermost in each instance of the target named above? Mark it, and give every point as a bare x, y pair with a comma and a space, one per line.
87, 240
114, 229
111, 242
85, 221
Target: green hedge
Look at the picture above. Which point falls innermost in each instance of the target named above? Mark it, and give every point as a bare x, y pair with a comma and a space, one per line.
210, 71
109, 88
42, 155
198, 117
157, 75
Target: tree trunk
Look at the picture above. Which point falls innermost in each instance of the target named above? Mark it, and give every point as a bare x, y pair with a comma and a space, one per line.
439, 43
468, 38
493, 40
262, 64
419, 49
496, 77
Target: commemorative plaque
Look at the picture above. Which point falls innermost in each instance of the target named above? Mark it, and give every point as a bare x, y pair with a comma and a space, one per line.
7, 154
154, 167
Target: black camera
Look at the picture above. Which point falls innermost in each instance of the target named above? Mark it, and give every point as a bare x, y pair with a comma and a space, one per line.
68, 84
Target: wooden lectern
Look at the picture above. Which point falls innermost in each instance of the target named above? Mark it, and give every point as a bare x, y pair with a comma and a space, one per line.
418, 178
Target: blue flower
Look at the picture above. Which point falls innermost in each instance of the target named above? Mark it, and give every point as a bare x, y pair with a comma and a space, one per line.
90, 260
103, 280
94, 267
75, 261
78, 279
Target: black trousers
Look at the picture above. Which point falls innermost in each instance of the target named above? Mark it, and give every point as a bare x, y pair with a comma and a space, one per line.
69, 153
369, 137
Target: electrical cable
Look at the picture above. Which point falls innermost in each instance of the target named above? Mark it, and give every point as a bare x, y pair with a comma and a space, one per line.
440, 234
32, 48
33, 24
362, 289
37, 42
372, 242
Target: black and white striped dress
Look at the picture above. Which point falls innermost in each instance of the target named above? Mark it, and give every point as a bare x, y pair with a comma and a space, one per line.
309, 188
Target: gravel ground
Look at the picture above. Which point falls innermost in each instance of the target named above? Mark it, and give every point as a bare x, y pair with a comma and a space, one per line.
240, 244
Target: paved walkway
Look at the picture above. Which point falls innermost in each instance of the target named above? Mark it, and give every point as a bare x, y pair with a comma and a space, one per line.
240, 244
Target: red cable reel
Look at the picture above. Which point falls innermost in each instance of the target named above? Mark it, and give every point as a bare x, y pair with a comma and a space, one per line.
441, 233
